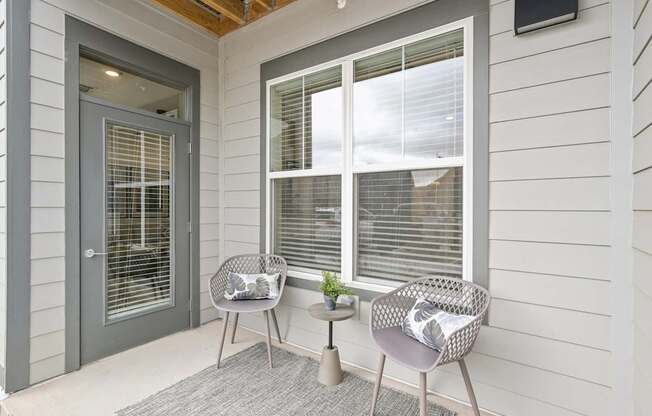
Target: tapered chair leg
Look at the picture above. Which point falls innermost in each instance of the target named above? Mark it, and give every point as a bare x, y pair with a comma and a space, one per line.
469, 387
278, 333
269, 340
235, 327
423, 396
225, 324
379, 379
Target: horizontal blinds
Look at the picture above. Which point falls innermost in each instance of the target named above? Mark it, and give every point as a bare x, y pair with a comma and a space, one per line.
408, 102
306, 120
307, 227
409, 224
286, 125
434, 97
138, 270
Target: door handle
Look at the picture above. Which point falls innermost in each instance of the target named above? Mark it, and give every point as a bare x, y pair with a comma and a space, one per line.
90, 253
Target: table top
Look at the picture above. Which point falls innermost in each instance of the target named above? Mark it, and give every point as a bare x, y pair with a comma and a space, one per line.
341, 312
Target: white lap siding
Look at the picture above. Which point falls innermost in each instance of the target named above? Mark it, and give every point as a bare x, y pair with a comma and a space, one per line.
642, 205
546, 350
3, 185
146, 26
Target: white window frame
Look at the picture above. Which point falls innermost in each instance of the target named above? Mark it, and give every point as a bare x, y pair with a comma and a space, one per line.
347, 170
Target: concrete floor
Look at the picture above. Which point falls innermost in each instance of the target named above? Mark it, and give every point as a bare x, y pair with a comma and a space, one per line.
105, 386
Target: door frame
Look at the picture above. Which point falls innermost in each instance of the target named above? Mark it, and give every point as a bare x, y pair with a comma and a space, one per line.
83, 38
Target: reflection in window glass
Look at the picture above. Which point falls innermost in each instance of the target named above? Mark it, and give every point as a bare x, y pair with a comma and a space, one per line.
378, 108
409, 224
408, 102
306, 121
114, 85
307, 221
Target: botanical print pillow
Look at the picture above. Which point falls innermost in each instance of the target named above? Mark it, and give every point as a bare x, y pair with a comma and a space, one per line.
430, 325
251, 286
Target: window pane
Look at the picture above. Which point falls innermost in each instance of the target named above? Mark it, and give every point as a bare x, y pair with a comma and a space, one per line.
286, 125
323, 119
434, 97
115, 85
307, 225
408, 102
377, 108
409, 224
138, 270
306, 121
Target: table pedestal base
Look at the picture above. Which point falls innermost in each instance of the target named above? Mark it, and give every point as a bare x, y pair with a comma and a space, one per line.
330, 369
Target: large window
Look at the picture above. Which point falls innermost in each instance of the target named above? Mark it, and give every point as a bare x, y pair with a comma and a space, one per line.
367, 162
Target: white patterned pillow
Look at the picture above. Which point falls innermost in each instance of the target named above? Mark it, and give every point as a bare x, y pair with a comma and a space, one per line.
430, 325
251, 286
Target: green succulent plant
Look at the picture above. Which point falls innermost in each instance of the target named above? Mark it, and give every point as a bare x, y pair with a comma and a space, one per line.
332, 286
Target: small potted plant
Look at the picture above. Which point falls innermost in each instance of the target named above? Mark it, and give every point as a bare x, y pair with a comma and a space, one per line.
332, 287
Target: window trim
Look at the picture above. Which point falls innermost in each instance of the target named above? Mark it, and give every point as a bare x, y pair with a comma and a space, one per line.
347, 171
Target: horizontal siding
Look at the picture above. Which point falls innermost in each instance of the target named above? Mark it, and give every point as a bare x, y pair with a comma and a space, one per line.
47, 326
588, 160
48, 155
590, 126
593, 24
577, 61
558, 97
546, 350
3, 181
549, 193
642, 206
568, 194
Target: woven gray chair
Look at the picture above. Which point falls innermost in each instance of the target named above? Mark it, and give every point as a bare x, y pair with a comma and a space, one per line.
249, 264
449, 294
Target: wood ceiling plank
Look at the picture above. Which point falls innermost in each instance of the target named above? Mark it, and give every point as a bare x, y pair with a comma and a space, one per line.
191, 11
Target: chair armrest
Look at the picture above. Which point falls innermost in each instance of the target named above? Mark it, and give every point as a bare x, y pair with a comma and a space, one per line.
460, 342
389, 310
217, 285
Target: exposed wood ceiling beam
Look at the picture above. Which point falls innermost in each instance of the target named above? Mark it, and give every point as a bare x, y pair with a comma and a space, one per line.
192, 11
265, 3
223, 16
233, 9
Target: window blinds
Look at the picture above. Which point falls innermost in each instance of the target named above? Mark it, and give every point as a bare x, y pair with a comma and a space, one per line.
408, 102
409, 224
306, 121
307, 221
138, 272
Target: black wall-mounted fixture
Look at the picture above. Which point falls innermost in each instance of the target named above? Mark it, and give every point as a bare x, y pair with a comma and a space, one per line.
530, 15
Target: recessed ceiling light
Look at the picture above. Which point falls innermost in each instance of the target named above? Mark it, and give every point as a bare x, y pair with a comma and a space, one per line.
341, 4
112, 73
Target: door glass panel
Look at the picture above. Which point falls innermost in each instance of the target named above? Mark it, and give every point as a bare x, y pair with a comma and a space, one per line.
118, 86
139, 275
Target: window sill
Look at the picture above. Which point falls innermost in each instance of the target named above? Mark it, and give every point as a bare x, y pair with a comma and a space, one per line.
365, 291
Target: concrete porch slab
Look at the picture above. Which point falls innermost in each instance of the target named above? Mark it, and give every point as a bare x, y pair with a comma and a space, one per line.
108, 385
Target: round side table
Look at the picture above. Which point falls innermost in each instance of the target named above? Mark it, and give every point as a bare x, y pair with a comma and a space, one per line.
330, 368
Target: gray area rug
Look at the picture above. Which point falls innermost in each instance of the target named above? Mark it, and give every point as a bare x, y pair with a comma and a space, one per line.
245, 386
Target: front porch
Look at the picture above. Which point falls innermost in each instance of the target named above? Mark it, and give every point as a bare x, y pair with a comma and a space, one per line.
111, 384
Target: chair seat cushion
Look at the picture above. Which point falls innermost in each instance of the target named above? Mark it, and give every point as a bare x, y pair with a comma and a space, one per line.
407, 351
246, 305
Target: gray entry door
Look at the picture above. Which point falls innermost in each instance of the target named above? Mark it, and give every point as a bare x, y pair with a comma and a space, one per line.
134, 207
